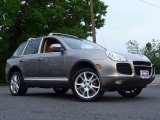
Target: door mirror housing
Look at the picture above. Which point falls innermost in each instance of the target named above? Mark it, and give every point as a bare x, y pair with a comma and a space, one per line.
56, 47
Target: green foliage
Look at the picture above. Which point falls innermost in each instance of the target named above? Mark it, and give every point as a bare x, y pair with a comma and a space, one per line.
20, 20
152, 51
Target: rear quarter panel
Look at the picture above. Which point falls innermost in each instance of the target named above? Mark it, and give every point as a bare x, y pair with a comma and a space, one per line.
11, 62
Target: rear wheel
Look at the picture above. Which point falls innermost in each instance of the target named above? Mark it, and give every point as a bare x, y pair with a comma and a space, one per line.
130, 92
60, 91
86, 84
16, 85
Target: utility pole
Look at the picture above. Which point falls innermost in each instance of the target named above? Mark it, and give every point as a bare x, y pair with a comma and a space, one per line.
93, 21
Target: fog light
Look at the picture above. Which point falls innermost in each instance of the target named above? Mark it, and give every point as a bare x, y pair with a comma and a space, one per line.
118, 82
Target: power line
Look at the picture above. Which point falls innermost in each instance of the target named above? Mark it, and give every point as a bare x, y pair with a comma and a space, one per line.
103, 38
149, 3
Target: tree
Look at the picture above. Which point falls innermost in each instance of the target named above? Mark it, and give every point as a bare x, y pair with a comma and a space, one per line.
152, 51
20, 20
133, 47
148, 50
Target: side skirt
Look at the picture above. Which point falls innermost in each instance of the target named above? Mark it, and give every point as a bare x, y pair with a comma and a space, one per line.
47, 81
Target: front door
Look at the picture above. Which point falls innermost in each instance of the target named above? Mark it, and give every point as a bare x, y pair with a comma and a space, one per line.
50, 64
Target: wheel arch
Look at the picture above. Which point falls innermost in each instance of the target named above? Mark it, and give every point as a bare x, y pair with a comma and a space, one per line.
14, 68
82, 64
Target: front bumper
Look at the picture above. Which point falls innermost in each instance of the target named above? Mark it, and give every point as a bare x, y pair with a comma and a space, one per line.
112, 83
115, 75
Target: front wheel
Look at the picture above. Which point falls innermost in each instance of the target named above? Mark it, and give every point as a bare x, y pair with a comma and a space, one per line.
86, 84
130, 92
16, 85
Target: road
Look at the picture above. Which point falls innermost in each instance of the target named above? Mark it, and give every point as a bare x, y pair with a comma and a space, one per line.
43, 104
157, 80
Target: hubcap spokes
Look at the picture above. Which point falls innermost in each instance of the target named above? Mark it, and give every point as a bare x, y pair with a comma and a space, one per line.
14, 84
87, 84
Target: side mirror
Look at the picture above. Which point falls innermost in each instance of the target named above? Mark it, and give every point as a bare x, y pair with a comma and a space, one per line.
56, 47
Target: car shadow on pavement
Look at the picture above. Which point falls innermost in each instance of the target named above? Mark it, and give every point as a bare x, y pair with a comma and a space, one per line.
120, 99
71, 97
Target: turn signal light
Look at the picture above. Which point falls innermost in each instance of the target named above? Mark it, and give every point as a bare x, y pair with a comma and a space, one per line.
99, 66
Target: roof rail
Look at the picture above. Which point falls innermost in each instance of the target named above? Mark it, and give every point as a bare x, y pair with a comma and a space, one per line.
31, 38
60, 34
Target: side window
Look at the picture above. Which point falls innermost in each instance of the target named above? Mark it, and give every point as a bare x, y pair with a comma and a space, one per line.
47, 43
20, 49
32, 47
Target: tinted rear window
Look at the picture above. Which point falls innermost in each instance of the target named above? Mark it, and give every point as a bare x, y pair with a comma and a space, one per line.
20, 49
32, 47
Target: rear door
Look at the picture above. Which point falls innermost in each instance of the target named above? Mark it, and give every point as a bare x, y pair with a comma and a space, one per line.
29, 60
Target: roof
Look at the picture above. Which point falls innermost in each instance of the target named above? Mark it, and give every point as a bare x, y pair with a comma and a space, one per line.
61, 34
55, 34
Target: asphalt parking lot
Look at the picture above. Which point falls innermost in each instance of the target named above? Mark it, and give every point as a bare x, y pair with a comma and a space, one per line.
43, 104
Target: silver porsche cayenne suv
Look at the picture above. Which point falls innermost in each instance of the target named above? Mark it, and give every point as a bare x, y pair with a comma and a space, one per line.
64, 62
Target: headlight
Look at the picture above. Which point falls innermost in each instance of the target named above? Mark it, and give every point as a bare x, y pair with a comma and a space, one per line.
115, 56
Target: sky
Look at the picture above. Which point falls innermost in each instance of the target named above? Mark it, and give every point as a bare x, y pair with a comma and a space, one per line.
129, 20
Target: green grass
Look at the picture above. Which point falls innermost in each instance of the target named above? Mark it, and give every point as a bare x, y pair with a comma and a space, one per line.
3, 83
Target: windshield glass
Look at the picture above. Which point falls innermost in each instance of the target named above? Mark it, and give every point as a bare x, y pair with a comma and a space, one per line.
81, 44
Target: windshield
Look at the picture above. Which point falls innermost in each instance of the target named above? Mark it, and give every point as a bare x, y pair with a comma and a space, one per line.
81, 44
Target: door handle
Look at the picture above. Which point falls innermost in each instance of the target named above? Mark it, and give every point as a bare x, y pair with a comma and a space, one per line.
21, 60
40, 59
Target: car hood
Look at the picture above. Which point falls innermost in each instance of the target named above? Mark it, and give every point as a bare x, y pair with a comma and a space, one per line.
90, 53
135, 57
101, 54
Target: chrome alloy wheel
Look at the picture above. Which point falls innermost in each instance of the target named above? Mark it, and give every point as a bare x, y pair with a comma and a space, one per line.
87, 84
15, 83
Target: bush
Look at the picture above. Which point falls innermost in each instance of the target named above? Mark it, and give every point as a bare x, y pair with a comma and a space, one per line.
155, 61
2, 74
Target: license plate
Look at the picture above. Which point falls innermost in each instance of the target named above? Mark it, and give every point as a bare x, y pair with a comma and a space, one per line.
144, 74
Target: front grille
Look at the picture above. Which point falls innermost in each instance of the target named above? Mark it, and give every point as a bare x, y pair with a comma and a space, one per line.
142, 65
124, 68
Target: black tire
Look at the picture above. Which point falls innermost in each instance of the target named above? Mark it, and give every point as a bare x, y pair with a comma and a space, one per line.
16, 84
87, 86
60, 91
130, 93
